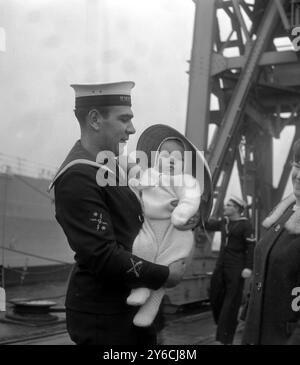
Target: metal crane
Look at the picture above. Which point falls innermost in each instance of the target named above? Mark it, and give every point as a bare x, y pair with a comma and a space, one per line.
257, 86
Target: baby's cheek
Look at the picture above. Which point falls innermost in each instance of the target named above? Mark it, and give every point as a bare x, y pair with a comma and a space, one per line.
164, 164
178, 166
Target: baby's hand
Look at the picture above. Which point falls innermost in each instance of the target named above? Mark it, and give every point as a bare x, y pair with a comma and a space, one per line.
178, 219
134, 183
192, 223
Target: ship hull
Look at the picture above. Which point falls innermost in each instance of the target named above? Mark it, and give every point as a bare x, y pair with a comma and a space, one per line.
17, 276
32, 244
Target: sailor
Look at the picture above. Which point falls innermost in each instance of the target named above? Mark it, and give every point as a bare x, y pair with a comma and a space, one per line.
101, 222
234, 264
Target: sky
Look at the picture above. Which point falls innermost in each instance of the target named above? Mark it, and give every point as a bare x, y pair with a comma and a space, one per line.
46, 45
51, 44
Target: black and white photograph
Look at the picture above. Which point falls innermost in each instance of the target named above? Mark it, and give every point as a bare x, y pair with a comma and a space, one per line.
149, 175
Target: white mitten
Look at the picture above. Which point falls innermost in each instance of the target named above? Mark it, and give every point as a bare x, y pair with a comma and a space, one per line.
179, 218
138, 296
189, 194
135, 183
147, 313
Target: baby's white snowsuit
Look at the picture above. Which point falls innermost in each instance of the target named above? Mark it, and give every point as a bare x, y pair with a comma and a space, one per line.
159, 241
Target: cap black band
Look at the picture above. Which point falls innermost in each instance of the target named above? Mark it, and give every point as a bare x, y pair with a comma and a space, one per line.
102, 100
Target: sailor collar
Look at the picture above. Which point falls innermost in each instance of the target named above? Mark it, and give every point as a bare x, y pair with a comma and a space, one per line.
79, 155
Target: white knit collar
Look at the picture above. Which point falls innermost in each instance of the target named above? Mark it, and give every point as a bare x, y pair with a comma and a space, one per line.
292, 225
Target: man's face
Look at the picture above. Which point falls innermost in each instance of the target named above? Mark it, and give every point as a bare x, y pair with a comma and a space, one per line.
230, 209
116, 129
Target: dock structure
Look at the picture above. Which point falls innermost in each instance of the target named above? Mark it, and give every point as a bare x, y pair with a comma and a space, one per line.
244, 91
188, 328
244, 81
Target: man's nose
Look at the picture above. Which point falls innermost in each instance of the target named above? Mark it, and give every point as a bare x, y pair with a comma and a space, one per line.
130, 129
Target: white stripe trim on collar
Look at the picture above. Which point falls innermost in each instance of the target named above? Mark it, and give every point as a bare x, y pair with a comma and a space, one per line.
75, 162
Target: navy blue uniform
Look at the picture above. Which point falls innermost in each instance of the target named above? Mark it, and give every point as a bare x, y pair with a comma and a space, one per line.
101, 224
236, 254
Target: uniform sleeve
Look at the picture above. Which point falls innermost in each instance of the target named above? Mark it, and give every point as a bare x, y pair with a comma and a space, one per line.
82, 212
214, 224
250, 245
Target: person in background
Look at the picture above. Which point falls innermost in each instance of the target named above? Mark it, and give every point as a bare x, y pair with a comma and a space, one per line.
101, 223
273, 317
233, 266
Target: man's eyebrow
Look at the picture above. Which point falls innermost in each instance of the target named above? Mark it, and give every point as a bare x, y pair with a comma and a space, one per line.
126, 116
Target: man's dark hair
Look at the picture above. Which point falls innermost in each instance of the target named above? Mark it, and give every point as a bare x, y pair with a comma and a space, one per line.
81, 113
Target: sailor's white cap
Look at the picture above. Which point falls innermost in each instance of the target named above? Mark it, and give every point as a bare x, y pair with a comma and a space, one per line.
238, 201
109, 94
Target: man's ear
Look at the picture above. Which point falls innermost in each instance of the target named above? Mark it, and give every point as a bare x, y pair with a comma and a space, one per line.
94, 119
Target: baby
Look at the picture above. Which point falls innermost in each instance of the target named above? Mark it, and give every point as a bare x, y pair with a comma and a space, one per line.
159, 241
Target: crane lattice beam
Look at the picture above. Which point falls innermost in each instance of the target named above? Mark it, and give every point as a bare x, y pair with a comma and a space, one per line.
241, 81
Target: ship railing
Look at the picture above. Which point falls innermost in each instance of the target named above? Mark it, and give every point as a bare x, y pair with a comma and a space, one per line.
21, 166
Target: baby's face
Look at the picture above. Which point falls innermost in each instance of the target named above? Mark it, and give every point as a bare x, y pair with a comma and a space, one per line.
171, 158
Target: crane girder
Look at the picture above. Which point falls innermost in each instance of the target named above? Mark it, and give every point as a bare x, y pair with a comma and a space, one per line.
254, 82
233, 112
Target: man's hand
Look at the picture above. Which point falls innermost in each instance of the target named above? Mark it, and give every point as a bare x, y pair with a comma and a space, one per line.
191, 223
177, 269
246, 273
